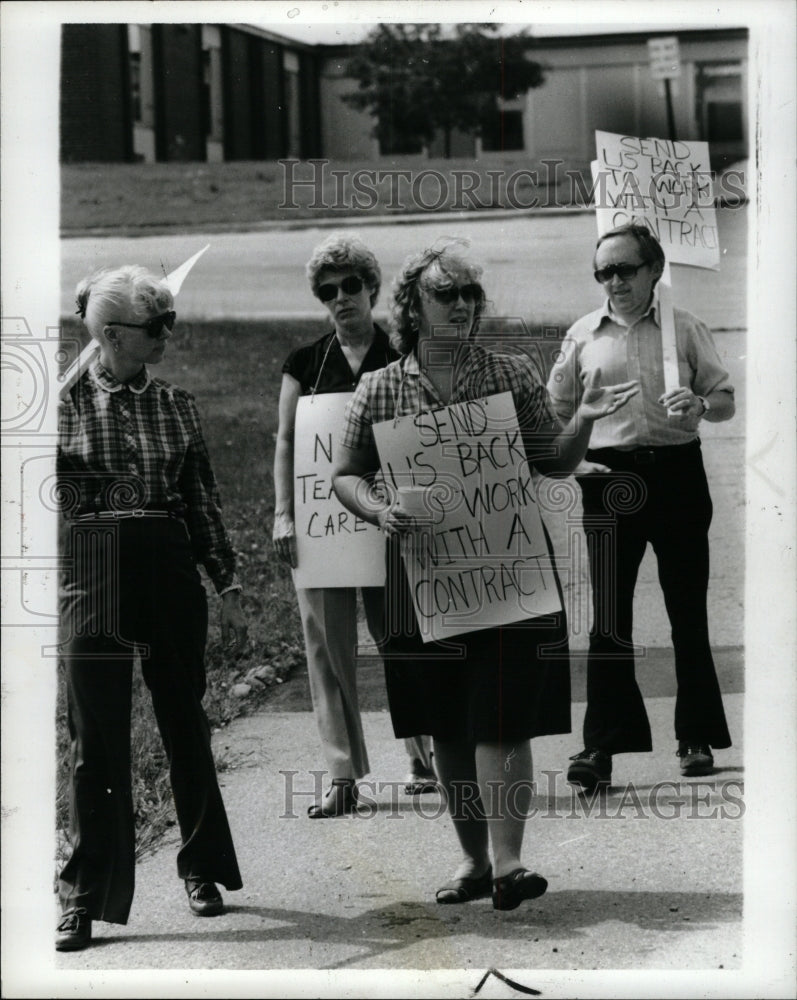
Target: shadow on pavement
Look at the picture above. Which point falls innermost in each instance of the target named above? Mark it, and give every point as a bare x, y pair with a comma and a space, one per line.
394, 927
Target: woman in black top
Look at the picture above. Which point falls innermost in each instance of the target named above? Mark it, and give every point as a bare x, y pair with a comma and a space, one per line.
345, 276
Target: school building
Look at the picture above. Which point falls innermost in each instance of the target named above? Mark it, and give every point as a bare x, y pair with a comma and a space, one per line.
216, 92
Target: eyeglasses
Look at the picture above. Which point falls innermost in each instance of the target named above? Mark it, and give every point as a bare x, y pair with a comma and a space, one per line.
623, 271
154, 326
351, 286
469, 293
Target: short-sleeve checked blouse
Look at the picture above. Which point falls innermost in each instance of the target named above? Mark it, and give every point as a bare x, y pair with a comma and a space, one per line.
402, 388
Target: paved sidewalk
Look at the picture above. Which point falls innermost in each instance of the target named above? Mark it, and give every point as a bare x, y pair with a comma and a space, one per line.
651, 880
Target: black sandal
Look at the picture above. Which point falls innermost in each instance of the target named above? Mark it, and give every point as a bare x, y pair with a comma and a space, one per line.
343, 803
463, 890
510, 890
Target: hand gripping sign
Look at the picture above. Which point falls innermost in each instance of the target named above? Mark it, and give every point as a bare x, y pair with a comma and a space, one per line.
480, 558
334, 547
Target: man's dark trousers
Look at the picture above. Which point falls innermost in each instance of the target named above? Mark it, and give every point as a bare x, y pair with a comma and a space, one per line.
657, 495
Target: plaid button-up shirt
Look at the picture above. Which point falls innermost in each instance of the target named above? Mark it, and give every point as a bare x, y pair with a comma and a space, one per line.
139, 444
402, 388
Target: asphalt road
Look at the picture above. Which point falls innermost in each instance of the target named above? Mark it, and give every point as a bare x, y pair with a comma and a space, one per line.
536, 267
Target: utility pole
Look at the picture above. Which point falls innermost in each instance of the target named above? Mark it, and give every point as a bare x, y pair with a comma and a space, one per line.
665, 65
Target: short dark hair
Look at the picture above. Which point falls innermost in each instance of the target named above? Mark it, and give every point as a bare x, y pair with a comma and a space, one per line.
649, 246
345, 252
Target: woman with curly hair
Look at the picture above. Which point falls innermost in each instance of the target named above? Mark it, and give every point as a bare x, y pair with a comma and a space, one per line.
486, 693
345, 276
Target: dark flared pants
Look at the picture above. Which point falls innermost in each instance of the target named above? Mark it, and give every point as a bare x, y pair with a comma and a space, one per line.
656, 495
126, 587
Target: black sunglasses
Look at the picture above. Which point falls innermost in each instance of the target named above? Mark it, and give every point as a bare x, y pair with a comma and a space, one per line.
624, 271
469, 293
154, 326
351, 286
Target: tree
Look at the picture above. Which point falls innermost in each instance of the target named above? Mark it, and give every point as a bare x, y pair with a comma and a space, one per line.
415, 81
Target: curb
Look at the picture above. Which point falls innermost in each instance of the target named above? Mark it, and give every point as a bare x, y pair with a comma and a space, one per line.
326, 222
343, 222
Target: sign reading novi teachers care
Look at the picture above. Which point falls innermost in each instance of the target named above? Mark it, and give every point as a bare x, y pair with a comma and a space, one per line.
480, 557
664, 184
334, 547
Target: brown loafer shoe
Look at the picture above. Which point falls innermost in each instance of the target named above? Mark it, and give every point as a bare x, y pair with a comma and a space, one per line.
696, 758
73, 931
204, 898
590, 769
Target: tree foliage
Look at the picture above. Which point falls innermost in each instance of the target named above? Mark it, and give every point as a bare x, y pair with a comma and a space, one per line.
417, 80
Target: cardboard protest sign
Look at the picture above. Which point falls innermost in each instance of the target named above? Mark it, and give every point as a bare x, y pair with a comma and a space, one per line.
481, 559
334, 547
664, 184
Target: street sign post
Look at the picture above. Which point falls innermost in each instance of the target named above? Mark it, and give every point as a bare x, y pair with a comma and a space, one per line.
665, 64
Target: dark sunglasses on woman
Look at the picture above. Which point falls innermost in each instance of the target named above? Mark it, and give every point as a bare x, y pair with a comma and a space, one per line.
154, 325
469, 293
351, 286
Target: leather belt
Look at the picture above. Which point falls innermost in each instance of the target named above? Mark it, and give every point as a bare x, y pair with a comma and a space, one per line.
643, 456
118, 515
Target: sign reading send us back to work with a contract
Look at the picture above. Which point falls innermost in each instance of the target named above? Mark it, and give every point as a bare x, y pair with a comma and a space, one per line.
334, 547
479, 558
665, 184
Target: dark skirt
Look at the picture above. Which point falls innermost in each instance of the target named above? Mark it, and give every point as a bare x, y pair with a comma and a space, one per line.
499, 684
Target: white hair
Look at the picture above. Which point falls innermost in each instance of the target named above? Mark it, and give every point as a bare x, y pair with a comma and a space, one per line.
101, 296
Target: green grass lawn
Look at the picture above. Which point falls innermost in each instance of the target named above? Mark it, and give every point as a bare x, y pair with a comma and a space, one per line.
151, 196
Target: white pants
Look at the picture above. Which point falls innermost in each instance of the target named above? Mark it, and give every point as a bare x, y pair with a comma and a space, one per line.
329, 621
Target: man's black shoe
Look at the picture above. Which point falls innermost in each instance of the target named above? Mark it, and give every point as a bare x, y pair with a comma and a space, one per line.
695, 757
204, 898
590, 768
73, 931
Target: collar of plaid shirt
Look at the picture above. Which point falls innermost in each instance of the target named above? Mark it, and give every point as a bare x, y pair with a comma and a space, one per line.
106, 380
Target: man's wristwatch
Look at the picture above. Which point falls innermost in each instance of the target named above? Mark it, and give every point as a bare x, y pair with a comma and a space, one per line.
705, 404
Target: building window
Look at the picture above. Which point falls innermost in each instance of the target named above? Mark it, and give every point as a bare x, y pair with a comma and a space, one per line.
134, 63
142, 90
719, 103
212, 92
291, 96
